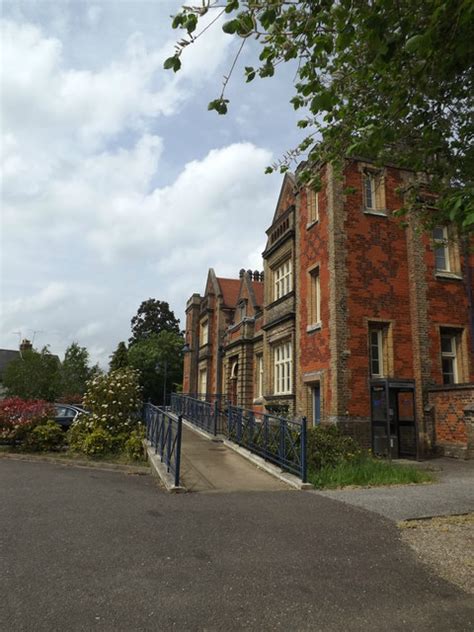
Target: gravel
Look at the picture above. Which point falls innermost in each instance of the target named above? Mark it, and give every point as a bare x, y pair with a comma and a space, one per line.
446, 544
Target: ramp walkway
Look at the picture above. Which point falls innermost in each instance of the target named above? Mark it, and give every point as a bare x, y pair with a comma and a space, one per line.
207, 465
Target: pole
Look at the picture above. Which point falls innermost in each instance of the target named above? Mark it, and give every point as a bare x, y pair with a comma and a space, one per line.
304, 459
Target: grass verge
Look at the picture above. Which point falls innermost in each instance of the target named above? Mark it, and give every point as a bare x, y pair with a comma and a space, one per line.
66, 455
367, 472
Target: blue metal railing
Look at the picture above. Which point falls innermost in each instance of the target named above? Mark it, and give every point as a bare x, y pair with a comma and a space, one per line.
279, 440
206, 415
276, 439
164, 434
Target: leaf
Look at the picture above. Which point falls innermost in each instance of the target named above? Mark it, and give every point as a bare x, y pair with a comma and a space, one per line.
322, 101
231, 26
413, 44
172, 63
468, 221
219, 105
191, 23
232, 5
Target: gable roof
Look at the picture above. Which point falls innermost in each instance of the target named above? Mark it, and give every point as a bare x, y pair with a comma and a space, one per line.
230, 289
286, 191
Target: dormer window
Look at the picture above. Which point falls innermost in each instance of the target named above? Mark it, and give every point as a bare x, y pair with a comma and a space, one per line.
242, 309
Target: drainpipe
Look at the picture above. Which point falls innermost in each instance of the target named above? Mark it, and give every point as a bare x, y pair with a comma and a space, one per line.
469, 279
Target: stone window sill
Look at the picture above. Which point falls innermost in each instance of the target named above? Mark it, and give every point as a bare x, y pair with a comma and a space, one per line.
311, 224
378, 212
448, 275
311, 328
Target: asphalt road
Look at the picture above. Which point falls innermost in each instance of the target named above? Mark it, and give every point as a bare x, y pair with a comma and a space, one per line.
86, 550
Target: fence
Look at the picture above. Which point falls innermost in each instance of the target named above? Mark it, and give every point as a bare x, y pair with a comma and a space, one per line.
164, 434
279, 440
206, 415
276, 439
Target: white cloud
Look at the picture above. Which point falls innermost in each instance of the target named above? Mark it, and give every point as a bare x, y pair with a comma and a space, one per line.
87, 233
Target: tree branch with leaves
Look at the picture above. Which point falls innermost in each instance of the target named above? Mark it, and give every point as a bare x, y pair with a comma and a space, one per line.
389, 81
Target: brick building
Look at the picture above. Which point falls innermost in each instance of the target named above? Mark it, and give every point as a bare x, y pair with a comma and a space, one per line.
360, 322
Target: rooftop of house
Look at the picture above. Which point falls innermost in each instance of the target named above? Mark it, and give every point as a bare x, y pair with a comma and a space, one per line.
230, 290
7, 356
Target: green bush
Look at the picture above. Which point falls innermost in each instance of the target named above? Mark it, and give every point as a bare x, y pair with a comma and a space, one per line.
45, 437
99, 442
134, 444
327, 447
77, 434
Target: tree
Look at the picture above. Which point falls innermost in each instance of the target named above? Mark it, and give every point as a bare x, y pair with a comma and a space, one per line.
159, 358
119, 358
34, 375
75, 370
153, 317
391, 81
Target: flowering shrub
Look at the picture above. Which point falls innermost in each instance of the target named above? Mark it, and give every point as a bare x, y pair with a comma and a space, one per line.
114, 403
18, 417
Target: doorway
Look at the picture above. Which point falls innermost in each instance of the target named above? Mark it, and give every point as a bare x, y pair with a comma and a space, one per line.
393, 418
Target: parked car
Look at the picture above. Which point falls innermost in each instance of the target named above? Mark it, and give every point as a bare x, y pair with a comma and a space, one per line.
67, 413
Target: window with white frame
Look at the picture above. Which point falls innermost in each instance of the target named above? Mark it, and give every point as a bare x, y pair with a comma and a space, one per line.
450, 340
314, 302
259, 376
376, 352
202, 381
204, 333
283, 365
374, 194
282, 279
441, 249
313, 206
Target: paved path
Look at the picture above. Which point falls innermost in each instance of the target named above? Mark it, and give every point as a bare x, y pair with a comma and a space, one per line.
84, 550
210, 466
453, 493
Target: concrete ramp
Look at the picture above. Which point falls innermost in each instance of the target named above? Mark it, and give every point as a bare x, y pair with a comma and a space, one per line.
210, 466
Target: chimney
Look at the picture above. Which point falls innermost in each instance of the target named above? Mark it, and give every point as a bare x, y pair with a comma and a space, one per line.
25, 345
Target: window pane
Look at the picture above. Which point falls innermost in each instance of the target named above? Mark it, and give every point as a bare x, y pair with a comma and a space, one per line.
440, 258
447, 344
448, 370
438, 233
369, 202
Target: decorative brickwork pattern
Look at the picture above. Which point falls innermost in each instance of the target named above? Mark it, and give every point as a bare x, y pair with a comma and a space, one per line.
453, 411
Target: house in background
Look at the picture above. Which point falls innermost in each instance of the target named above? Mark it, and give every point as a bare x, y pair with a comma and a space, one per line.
356, 320
7, 356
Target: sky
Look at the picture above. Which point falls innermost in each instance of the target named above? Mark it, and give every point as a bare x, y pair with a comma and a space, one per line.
117, 184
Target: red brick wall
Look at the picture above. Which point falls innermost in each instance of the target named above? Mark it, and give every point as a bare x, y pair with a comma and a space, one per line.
453, 427
447, 305
314, 346
378, 286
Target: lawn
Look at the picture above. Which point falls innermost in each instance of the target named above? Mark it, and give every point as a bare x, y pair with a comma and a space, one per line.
367, 472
